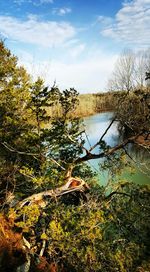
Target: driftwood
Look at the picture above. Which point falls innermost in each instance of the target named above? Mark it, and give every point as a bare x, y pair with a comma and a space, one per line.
41, 199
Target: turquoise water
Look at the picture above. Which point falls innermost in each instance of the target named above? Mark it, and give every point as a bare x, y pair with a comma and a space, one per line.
95, 126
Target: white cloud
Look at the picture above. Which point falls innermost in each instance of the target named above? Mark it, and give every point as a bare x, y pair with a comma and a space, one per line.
77, 50
34, 31
87, 76
19, 2
131, 23
46, 1
36, 2
62, 11
104, 20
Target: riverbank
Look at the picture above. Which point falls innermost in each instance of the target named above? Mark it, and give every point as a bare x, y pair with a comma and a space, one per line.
139, 161
91, 104
88, 105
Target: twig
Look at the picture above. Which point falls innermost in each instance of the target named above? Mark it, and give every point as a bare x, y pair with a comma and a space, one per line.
11, 149
57, 163
106, 153
102, 135
117, 193
128, 154
19, 152
79, 144
43, 248
26, 243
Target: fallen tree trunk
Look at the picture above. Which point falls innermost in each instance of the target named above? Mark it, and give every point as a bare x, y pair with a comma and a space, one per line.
23, 246
41, 199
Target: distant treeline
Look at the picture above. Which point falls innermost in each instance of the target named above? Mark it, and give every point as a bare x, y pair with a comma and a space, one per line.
94, 103
90, 104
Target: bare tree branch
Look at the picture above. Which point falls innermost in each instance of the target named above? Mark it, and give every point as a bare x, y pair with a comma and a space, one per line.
35, 155
110, 151
79, 144
43, 248
19, 152
102, 135
128, 154
117, 193
41, 199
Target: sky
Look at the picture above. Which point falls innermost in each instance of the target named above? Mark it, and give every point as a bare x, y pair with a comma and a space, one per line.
74, 43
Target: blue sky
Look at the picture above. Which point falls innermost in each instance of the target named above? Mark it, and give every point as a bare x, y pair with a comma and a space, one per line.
75, 42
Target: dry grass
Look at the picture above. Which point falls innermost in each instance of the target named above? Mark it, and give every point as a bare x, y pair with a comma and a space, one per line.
89, 104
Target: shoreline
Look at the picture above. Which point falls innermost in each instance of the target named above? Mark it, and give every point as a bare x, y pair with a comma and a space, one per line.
94, 113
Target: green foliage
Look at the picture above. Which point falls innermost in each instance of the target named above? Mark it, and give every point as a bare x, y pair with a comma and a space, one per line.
89, 232
35, 146
133, 112
132, 105
128, 226
30, 215
14, 96
116, 163
73, 234
101, 234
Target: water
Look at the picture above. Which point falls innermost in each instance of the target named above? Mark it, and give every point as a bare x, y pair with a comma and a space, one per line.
95, 127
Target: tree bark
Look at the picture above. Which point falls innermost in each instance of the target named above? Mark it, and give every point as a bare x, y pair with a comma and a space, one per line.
72, 185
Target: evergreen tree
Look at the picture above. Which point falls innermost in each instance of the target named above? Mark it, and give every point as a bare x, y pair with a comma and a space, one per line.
36, 146
75, 232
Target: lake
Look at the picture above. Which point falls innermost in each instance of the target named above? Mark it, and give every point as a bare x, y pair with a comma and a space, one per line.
95, 126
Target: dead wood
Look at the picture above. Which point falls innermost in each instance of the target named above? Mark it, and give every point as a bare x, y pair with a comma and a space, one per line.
41, 199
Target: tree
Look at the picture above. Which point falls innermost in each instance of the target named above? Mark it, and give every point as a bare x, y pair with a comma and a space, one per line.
142, 66
14, 96
132, 106
122, 77
33, 143
133, 113
60, 222
130, 71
